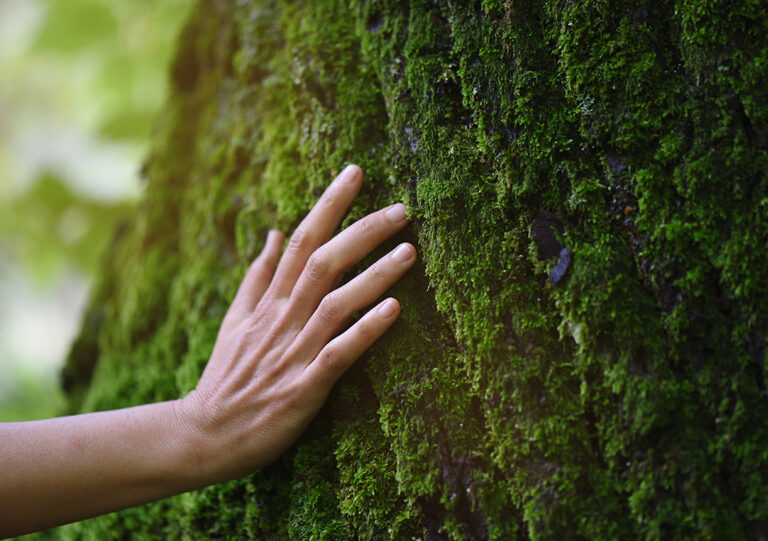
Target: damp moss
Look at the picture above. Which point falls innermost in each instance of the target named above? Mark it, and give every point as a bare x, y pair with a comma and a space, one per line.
627, 401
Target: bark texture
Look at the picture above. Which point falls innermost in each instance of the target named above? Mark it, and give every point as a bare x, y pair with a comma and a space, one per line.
582, 348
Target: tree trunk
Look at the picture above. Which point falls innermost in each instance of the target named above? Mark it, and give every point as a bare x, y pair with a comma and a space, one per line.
582, 348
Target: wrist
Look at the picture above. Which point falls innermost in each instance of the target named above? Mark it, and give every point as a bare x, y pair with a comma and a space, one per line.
197, 452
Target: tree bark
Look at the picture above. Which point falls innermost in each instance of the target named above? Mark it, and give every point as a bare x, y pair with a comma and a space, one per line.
582, 350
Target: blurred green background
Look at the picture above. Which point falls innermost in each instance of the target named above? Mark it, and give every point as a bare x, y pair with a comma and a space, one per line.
80, 84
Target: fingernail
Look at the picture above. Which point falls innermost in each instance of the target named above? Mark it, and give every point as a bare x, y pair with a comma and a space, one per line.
402, 253
350, 174
387, 308
396, 213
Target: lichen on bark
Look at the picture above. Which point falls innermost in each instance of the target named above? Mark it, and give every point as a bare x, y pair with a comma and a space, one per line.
628, 400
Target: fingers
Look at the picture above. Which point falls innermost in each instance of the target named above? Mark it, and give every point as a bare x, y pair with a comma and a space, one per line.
337, 306
316, 228
347, 248
345, 349
259, 274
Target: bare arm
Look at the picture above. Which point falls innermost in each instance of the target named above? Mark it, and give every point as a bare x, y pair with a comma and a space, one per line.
65, 469
274, 362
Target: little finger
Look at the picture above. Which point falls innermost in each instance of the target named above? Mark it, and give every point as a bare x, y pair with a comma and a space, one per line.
341, 352
259, 274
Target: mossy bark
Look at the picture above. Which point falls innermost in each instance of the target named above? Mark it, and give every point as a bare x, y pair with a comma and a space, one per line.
624, 399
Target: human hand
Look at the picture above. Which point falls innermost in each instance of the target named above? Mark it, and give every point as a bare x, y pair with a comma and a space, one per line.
276, 358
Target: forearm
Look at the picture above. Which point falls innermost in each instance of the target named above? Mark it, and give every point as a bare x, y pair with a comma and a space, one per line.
62, 470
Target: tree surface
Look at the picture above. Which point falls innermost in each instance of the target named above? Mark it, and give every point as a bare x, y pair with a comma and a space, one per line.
581, 352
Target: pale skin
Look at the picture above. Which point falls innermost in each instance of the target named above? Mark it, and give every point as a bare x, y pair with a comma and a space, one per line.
276, 357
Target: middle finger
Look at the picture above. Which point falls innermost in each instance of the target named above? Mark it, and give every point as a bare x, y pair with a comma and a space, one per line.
343, 251
316, 228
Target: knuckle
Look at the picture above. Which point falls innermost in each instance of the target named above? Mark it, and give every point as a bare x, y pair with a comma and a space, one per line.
328, 362
329, 357
331, 308
291, 394
377, 273
366, 227
270, 314
300, 240
366, 332
329, 199
318, 266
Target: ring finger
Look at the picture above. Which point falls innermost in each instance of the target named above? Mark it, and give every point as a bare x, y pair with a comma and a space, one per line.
347, 248
337, 306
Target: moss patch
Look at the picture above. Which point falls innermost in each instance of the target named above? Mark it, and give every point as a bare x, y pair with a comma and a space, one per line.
627, 401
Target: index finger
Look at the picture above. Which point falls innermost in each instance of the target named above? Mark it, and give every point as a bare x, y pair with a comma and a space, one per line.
316, 228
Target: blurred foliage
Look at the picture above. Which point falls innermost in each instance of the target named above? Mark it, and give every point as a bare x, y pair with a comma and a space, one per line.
80, 84
128, 44
50, 226
97, 68
31, 397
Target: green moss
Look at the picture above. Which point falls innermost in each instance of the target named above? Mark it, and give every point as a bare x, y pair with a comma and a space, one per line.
627, 401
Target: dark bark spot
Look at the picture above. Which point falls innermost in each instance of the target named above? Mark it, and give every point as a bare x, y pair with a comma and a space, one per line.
456, 473
543, 234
